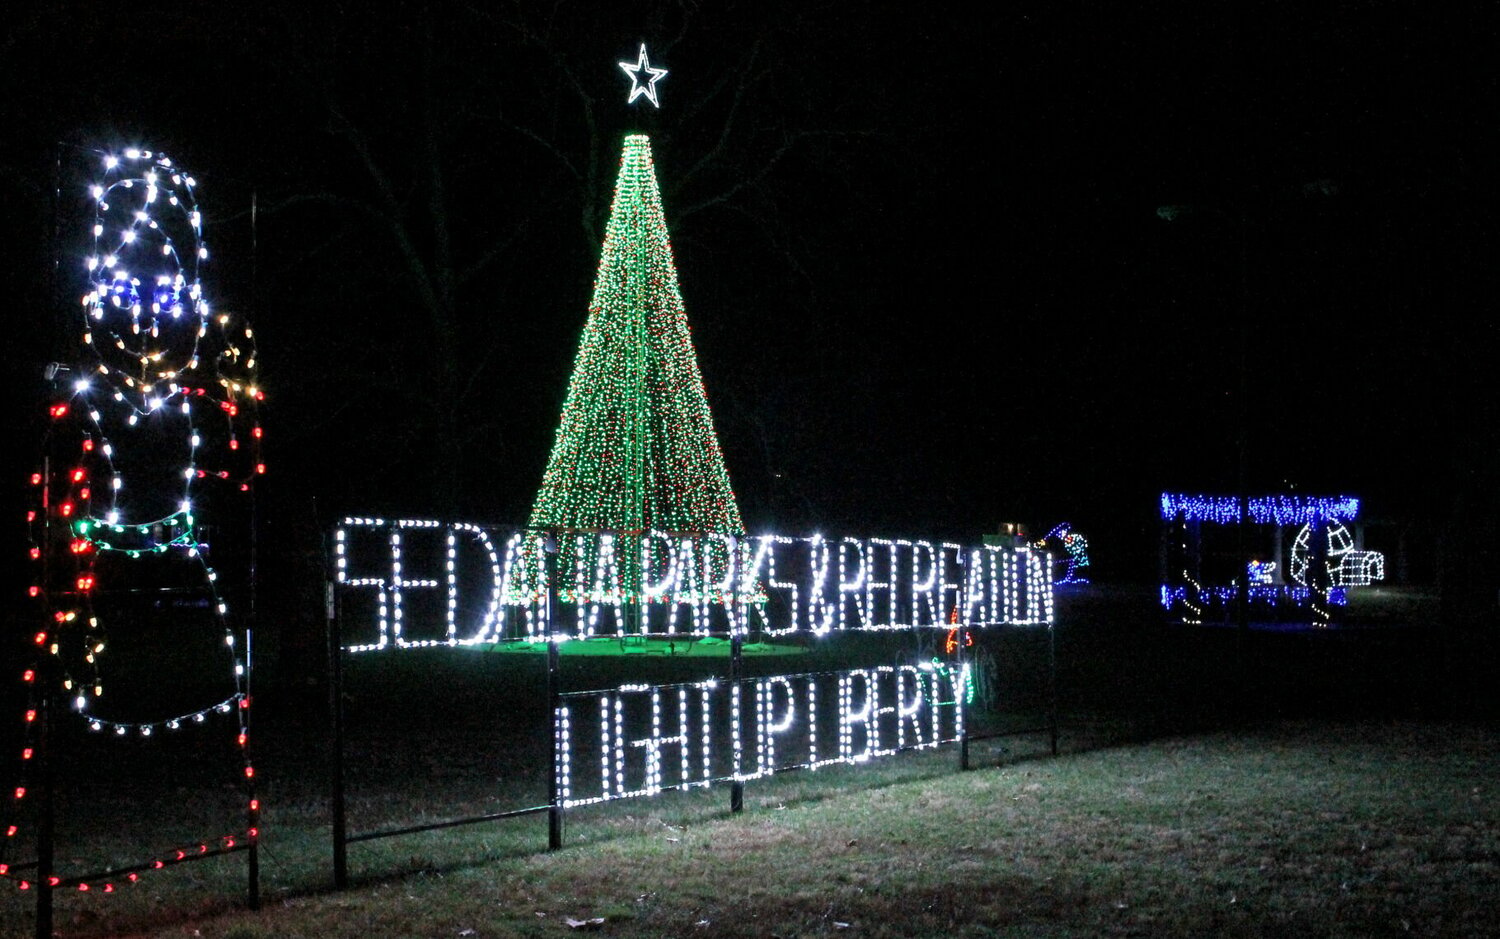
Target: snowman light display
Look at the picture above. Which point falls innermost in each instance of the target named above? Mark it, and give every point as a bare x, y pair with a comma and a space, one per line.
152, 430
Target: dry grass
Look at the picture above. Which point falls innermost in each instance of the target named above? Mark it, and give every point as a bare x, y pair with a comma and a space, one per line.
1290, 829
1366, 820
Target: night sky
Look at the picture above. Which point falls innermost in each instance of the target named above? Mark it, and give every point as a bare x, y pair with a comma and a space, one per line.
923, 253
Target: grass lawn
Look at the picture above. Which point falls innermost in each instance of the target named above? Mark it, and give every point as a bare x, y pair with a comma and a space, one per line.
1344, 805
1293, 828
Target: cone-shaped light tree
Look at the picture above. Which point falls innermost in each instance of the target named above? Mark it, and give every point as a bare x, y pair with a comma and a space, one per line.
636, 449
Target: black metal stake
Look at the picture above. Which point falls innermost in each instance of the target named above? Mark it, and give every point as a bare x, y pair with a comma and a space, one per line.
961, 633
554, 701
253, 810
1052, 684
554, 789
46, 778
736, 643
336, 738
46, 823
962, 636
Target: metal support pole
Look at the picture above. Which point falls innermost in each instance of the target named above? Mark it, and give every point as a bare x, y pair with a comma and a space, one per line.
47, 807
336, 738
961, 634
958, 699
736, 642
1242, 455
1052, 685
554, 790
554, 700
252, 817
46, 773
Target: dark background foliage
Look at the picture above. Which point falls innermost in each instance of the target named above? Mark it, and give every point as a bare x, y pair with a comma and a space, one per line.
923, 252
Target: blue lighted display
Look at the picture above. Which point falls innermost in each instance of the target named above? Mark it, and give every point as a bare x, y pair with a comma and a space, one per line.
1272, 594
1264, 510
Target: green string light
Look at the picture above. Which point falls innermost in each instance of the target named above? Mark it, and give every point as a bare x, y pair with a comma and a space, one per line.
636, 449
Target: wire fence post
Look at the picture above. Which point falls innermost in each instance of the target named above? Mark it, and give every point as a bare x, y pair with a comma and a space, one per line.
961, 634
252, 817
554, 787
736, 644
336, 738
960, 689
554, 701
1052, 684
47, 809
46, 776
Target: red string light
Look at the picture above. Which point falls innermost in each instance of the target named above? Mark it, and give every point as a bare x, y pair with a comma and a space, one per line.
102, 420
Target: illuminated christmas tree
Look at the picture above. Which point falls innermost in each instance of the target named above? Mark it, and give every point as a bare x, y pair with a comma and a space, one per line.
636, 449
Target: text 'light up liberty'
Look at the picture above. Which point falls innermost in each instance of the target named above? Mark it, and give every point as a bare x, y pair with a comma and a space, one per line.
639, 740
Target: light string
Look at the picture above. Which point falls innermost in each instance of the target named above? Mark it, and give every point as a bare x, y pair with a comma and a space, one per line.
636, 453
419, 583
1196, 595
1283, 509
714, 731
165, 391
1074, 546
643, 89
1344, 566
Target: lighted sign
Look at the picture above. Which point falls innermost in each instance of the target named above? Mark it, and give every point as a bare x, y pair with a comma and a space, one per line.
414, 582
638, 740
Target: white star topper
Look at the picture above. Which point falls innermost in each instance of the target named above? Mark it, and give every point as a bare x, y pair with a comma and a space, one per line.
648, 88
